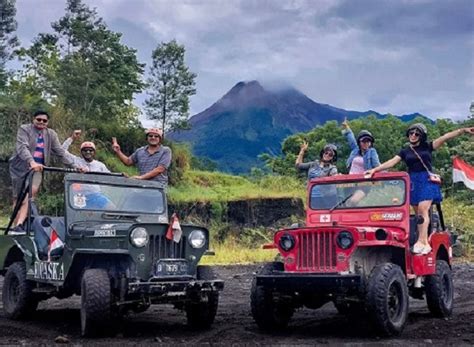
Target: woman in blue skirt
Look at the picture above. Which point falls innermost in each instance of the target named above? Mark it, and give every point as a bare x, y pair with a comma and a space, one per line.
418, 156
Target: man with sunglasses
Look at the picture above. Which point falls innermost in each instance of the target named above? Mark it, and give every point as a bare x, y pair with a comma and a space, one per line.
87, 159
152, 160
35, 145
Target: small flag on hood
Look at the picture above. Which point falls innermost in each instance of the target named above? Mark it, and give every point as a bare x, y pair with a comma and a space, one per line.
54, 243
463, 172
174, 231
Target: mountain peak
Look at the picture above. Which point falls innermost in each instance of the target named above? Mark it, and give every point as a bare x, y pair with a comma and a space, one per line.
245, 91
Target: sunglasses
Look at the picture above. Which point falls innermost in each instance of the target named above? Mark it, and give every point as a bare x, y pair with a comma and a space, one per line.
414, 133
42, 120
329, 153
154, 136
88, 150
365, 140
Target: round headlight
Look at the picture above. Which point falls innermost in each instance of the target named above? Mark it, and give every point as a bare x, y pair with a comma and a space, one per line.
197, 239
139, 237
345, 239
287, 242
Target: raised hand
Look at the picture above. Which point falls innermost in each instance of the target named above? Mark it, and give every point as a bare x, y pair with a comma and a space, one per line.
469, 131
115, 145
304, 146
76, 134
345, 123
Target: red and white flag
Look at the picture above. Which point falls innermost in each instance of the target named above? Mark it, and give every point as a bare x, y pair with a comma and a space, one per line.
463, 172
174, 231
54, 243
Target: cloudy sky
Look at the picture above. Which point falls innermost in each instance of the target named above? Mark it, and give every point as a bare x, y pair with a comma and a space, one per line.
400, 56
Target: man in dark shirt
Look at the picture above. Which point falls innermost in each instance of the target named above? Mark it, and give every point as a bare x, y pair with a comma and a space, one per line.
152, 160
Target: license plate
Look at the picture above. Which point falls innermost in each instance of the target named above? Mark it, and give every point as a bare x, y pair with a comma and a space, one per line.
105, 233
171, 267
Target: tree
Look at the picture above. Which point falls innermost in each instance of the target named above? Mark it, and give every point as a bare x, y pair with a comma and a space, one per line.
8, 39
170, 86
84, 68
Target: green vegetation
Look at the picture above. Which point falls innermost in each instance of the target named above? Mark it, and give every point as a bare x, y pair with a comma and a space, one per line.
170, 86
215, 186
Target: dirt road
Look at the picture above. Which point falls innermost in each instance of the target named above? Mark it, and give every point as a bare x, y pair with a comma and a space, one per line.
234, 323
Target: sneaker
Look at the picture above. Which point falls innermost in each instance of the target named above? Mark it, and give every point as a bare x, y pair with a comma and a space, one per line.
426, 250
417, 248
18, 230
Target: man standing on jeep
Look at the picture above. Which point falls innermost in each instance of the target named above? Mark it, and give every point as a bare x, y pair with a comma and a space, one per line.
86, 160
152, 160
35, 143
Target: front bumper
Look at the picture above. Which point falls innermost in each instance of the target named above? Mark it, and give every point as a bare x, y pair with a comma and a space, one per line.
176, 286
315, 283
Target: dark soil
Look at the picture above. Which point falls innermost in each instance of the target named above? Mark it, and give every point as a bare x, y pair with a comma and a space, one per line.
59, 320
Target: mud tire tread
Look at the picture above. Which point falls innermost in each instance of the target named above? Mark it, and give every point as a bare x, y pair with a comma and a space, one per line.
96, 300
200, 315
434, 291
378, 284
27, 303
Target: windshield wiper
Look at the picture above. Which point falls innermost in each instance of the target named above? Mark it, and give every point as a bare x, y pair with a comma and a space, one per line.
341, 202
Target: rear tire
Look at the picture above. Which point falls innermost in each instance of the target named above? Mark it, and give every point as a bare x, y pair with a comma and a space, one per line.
18, 300
201, 314
268, 314
440, 291
96, 300
387, 299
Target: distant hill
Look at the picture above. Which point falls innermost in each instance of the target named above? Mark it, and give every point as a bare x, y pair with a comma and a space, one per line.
249, 120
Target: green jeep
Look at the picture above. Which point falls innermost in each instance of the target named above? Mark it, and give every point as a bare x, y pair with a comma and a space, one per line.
114, 247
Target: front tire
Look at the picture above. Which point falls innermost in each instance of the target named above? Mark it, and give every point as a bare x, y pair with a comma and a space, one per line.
96, 300
440, 291
18, 300
201, 314
387, 299
268, 314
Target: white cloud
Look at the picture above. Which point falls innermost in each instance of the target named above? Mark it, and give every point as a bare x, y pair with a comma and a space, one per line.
397, 57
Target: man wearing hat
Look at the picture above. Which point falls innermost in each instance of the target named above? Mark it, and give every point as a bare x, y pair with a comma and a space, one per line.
86, 160
152, 160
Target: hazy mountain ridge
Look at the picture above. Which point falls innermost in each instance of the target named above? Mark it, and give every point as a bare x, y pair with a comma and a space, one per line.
249, 120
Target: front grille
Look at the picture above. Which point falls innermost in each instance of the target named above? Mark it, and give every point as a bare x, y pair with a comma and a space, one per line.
317, 251
162, 248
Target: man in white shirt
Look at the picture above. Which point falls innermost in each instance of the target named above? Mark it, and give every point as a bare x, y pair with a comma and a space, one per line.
86, 160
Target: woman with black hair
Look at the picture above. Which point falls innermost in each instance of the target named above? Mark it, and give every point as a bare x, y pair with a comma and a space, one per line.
318, 168
418, 157
363, 155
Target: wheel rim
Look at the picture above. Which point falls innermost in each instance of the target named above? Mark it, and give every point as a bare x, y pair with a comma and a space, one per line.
447, 290
395, 301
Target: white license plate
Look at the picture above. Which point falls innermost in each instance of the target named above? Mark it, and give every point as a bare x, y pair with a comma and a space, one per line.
171, 268
105, 233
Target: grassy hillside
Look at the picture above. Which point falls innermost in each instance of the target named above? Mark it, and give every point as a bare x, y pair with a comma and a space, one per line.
216, 186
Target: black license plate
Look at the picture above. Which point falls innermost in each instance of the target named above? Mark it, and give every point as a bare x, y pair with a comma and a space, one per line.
171, 267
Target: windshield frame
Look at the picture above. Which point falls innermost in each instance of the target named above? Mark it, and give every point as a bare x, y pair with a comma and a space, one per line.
357, 180
111, 184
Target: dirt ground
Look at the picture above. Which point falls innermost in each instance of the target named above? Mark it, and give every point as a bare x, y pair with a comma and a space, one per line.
59, 319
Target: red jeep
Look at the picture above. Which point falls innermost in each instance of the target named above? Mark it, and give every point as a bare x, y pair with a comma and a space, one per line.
355, 252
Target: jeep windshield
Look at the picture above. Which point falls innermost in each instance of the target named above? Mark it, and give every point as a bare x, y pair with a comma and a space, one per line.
105, 197
357, 194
